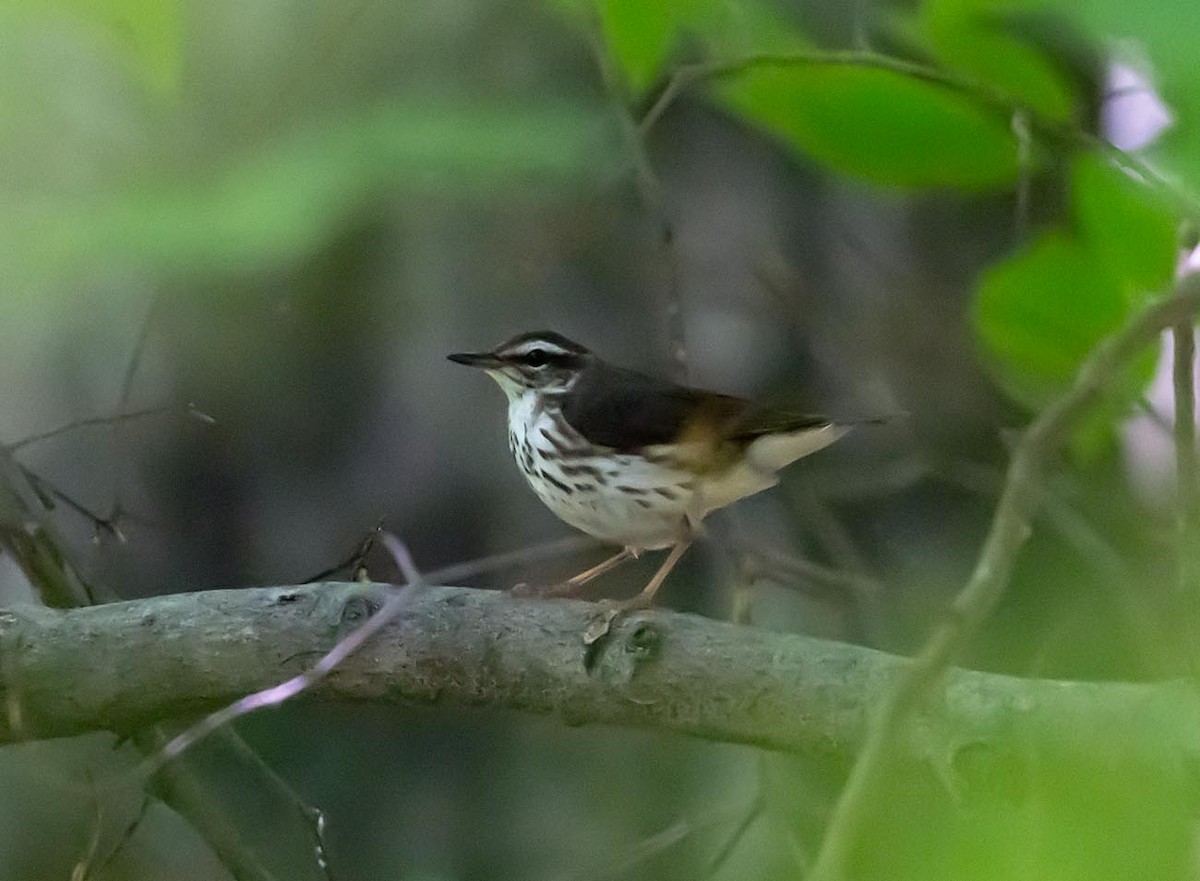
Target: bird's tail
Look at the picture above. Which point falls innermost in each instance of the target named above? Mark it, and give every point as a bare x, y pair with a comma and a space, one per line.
772, 452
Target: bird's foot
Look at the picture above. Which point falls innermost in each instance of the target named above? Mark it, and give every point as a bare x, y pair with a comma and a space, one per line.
600, 622
558, 589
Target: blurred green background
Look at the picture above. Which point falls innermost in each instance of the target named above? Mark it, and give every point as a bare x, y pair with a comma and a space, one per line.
285, 214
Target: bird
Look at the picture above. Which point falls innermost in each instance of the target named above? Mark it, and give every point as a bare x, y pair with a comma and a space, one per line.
635, 461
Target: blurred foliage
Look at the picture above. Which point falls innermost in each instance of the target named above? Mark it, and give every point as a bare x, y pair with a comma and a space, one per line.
1161, 31
1129, 228
322, 199
1043, 310
642, 38
881, 125
146, 34
975, 37
639, 36
1038, 312
283, 201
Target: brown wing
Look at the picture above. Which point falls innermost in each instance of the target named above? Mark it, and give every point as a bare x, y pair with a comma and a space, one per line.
625, 410
756, 421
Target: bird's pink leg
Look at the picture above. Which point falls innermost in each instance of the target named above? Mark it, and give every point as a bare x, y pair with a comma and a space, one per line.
600, 568
571, 586
646, 597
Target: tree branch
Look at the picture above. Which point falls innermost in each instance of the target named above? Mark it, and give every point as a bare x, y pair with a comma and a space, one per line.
186, 654
988, 581
31, 536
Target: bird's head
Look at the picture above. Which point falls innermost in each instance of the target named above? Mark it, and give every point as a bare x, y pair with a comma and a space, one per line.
542, 361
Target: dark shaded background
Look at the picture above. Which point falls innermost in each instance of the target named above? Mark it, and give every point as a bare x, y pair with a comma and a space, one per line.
321, 361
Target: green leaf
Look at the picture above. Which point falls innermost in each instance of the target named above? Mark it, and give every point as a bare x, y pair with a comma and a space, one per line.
1040, 312
1163, 31
639, 34
878, 124
280, 201
980, 38
740, 28
1130, 228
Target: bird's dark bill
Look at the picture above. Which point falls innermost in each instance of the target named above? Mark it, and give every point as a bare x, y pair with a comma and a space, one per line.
475, 359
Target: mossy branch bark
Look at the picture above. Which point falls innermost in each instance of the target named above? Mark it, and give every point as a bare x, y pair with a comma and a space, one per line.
125, 665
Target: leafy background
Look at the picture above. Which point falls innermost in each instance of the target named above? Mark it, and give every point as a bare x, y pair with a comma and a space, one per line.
293, 211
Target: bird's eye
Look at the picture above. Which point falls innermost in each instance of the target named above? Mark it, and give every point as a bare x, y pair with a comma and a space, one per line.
537, 358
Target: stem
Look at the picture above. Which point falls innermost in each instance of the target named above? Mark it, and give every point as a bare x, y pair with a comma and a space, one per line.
1010, 527
1188, 503
650, 191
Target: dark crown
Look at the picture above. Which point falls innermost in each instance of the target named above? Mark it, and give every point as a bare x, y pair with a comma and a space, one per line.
542, 360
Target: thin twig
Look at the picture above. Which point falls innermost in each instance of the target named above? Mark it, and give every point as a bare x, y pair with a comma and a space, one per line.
10, 675
75, 424
126, 835
139, 350
119, 436
83, 867
179, 786
51, 492
869, 619
687, 76
676, 85
1116, 575
123, 415
1151, 412
735, 837
42, 554
650, 191
354, 563
456, 573
660, 842
741, 593
40, 551
830, 532
1010, 527
277, 694
644, 851
1003, 105
313, 815
759, 561
1187, 473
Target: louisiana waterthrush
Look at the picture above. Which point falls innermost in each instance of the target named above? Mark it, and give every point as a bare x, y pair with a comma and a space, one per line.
632, 460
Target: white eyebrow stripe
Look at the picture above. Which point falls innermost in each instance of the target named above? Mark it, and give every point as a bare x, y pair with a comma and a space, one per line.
529, 345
